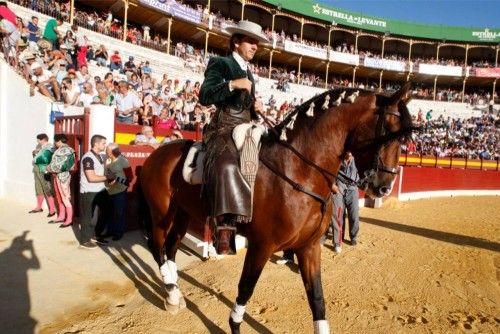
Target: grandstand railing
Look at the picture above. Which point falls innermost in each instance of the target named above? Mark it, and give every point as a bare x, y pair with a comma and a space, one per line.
412, 160
411, 66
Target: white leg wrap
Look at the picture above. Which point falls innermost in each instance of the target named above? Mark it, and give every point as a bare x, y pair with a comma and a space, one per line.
238, 312
321, 327
169, 272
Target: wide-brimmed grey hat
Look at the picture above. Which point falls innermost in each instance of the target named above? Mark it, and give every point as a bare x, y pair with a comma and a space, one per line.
249, 29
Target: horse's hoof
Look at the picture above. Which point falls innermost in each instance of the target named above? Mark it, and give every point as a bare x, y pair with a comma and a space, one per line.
235, 326
174, 309
173, 295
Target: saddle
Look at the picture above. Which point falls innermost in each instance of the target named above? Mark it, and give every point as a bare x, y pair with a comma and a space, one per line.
246, 137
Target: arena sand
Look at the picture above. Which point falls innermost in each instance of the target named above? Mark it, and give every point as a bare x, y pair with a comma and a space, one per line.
428, 266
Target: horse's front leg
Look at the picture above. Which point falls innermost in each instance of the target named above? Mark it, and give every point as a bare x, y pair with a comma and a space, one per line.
255, 260
309, 259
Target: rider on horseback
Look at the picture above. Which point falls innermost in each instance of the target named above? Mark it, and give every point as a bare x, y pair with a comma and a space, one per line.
229, 85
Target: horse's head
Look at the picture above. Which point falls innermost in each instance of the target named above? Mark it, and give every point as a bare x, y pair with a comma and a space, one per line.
376, 140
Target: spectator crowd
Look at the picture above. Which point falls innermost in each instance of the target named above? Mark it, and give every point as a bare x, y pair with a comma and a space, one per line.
472, 138
56, 64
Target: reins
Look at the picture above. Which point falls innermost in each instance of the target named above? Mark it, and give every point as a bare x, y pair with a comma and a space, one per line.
295, 185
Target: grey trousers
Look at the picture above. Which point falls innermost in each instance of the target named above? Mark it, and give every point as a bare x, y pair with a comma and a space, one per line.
348, 199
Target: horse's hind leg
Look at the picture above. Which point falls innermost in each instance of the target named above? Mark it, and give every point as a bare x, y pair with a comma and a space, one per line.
176, 234
162, 223
255, 260
310, 269
174, 238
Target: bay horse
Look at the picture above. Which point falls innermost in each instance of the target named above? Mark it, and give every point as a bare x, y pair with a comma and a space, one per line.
299, 161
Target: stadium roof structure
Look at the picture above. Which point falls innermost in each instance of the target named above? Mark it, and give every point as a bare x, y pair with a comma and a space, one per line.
323, 12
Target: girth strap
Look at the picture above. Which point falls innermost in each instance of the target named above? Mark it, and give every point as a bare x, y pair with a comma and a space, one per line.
299, 187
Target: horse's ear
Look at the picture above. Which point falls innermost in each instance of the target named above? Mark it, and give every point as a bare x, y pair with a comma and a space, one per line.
401, 95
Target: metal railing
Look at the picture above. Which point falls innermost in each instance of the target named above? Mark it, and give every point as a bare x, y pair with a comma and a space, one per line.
448, 162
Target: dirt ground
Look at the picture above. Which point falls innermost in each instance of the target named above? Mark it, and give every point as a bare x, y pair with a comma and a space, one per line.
428, 266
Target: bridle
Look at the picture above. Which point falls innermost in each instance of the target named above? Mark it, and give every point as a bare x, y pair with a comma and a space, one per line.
377, 163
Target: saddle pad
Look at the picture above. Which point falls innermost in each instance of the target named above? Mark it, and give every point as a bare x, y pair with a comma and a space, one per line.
240, 132
192, 171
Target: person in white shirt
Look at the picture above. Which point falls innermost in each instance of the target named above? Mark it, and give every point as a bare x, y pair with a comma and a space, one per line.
127, 103
11, 35
87, 95
146, 138
45, 81
71, 93
146, 37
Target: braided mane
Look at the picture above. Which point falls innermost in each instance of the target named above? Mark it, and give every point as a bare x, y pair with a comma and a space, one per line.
310, 111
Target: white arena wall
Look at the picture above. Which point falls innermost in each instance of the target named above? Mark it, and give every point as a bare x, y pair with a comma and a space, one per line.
21, 118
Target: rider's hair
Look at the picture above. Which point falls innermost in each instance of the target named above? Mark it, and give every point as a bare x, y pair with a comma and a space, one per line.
236, 38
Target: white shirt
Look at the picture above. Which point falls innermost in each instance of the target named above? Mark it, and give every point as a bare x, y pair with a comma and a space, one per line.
46, 75
87, 99
129, 101
14, 34
91, 161
71, 93
242, 62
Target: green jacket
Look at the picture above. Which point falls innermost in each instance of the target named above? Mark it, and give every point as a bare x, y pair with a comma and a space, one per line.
215, 87
43, 157
63, 160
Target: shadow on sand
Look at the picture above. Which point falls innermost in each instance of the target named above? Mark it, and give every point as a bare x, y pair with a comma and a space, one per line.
457, 239
15, 303
148, 283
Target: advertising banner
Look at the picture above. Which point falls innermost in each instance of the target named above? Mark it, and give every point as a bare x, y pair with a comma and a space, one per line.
493, 72
454, 71
330, 14
161, 5
385, 64
186, 13
344, 58
305, 50
175, 9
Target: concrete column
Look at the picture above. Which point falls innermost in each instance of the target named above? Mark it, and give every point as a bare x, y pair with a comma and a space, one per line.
270, 63
298, 72
168, 34
466, 53
125, 30
326, 74
301, 28
72, 12
463, 89
434, 91
207, 34
243, 9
